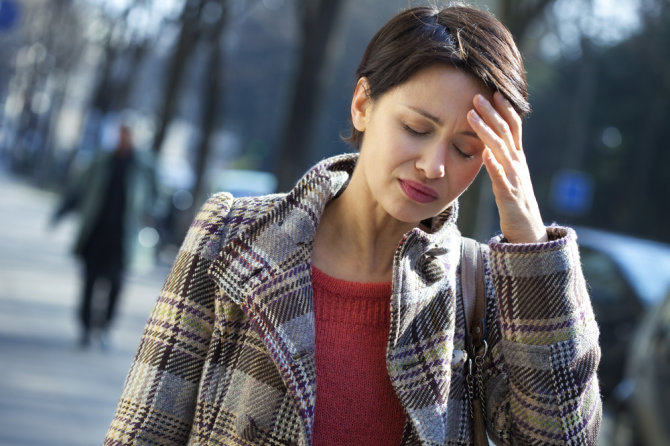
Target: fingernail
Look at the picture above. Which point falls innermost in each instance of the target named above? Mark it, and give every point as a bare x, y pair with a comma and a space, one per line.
474, 115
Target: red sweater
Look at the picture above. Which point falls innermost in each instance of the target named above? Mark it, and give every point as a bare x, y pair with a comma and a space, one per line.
355, 402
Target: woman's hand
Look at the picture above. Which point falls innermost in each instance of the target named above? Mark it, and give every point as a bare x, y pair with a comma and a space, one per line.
499, 127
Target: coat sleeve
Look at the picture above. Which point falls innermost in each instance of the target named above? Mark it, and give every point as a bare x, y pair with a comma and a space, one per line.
78, 184
160, 392
541, 381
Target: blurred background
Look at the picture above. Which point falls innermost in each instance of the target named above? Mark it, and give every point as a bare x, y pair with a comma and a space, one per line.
244, 96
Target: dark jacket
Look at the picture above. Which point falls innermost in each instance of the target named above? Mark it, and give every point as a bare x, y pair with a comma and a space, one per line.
87, 192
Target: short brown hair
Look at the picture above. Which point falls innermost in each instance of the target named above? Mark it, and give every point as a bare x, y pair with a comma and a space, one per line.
461, 36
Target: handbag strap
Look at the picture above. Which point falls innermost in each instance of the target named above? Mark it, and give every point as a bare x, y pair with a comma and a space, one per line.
472, 292
472, 289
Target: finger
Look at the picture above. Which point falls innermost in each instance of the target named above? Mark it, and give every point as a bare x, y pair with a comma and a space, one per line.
496, 172
494, 120
490, 138
510, 115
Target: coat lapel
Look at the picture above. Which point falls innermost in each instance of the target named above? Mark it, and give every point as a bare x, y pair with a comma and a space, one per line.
423, 316
266, 270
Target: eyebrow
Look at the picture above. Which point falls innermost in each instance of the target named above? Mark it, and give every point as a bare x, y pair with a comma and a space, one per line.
437, 120
425, 114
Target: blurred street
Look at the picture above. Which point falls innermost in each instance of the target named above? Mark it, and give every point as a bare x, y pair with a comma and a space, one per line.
52, 392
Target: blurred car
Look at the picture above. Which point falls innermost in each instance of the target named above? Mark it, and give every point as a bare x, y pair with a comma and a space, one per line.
642, 417
626, 277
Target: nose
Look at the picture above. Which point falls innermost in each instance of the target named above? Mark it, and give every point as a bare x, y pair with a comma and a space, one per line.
431, 161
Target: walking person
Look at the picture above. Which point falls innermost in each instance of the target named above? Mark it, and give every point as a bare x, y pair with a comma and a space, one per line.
114, 196
337, 313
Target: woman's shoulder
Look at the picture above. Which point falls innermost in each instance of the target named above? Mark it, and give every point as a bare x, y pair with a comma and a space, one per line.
222, 217
223, 206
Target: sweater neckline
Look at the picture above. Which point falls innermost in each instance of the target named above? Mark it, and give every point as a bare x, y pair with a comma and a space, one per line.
346, 288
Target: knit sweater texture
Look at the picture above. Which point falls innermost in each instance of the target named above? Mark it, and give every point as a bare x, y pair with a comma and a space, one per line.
355, 402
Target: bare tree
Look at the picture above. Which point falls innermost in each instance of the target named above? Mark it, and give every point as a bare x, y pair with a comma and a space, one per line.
212, 94
39, 81
188, 36
318, 19
656, 18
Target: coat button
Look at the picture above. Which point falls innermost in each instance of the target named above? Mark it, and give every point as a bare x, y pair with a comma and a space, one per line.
431, 269
436, 251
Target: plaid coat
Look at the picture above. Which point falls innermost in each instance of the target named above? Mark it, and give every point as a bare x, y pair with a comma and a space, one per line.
227, 355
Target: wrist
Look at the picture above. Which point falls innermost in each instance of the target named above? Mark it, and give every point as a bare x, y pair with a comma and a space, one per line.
536, 235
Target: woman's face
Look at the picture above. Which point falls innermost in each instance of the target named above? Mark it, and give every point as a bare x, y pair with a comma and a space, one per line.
418, 152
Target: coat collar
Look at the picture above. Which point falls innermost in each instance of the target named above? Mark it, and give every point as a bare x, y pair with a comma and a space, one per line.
266, 269
281, 237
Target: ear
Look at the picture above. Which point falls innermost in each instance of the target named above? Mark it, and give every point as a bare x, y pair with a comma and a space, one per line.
361, 105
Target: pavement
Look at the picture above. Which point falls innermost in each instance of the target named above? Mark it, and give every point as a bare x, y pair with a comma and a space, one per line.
52, 392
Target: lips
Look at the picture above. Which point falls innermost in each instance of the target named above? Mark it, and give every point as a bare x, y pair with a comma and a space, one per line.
417, 191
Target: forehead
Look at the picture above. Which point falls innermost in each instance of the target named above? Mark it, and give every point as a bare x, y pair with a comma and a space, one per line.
443, 86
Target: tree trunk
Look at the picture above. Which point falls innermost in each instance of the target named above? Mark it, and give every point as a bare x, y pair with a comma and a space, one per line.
212, 97
293, 154
647, 151
185, 43
582, 105
138, 52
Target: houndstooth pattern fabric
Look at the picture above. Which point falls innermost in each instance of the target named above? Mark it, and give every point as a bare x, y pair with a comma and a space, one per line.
227, 356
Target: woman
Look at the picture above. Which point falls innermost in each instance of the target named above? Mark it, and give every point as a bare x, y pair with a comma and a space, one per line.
348, 284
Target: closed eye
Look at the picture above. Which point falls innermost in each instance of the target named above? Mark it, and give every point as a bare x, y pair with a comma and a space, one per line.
413, 132
462, 153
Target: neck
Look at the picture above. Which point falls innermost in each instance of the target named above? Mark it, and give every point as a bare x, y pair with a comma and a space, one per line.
356, 238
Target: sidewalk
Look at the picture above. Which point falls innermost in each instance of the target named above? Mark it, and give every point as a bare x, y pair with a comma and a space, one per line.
52, 392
